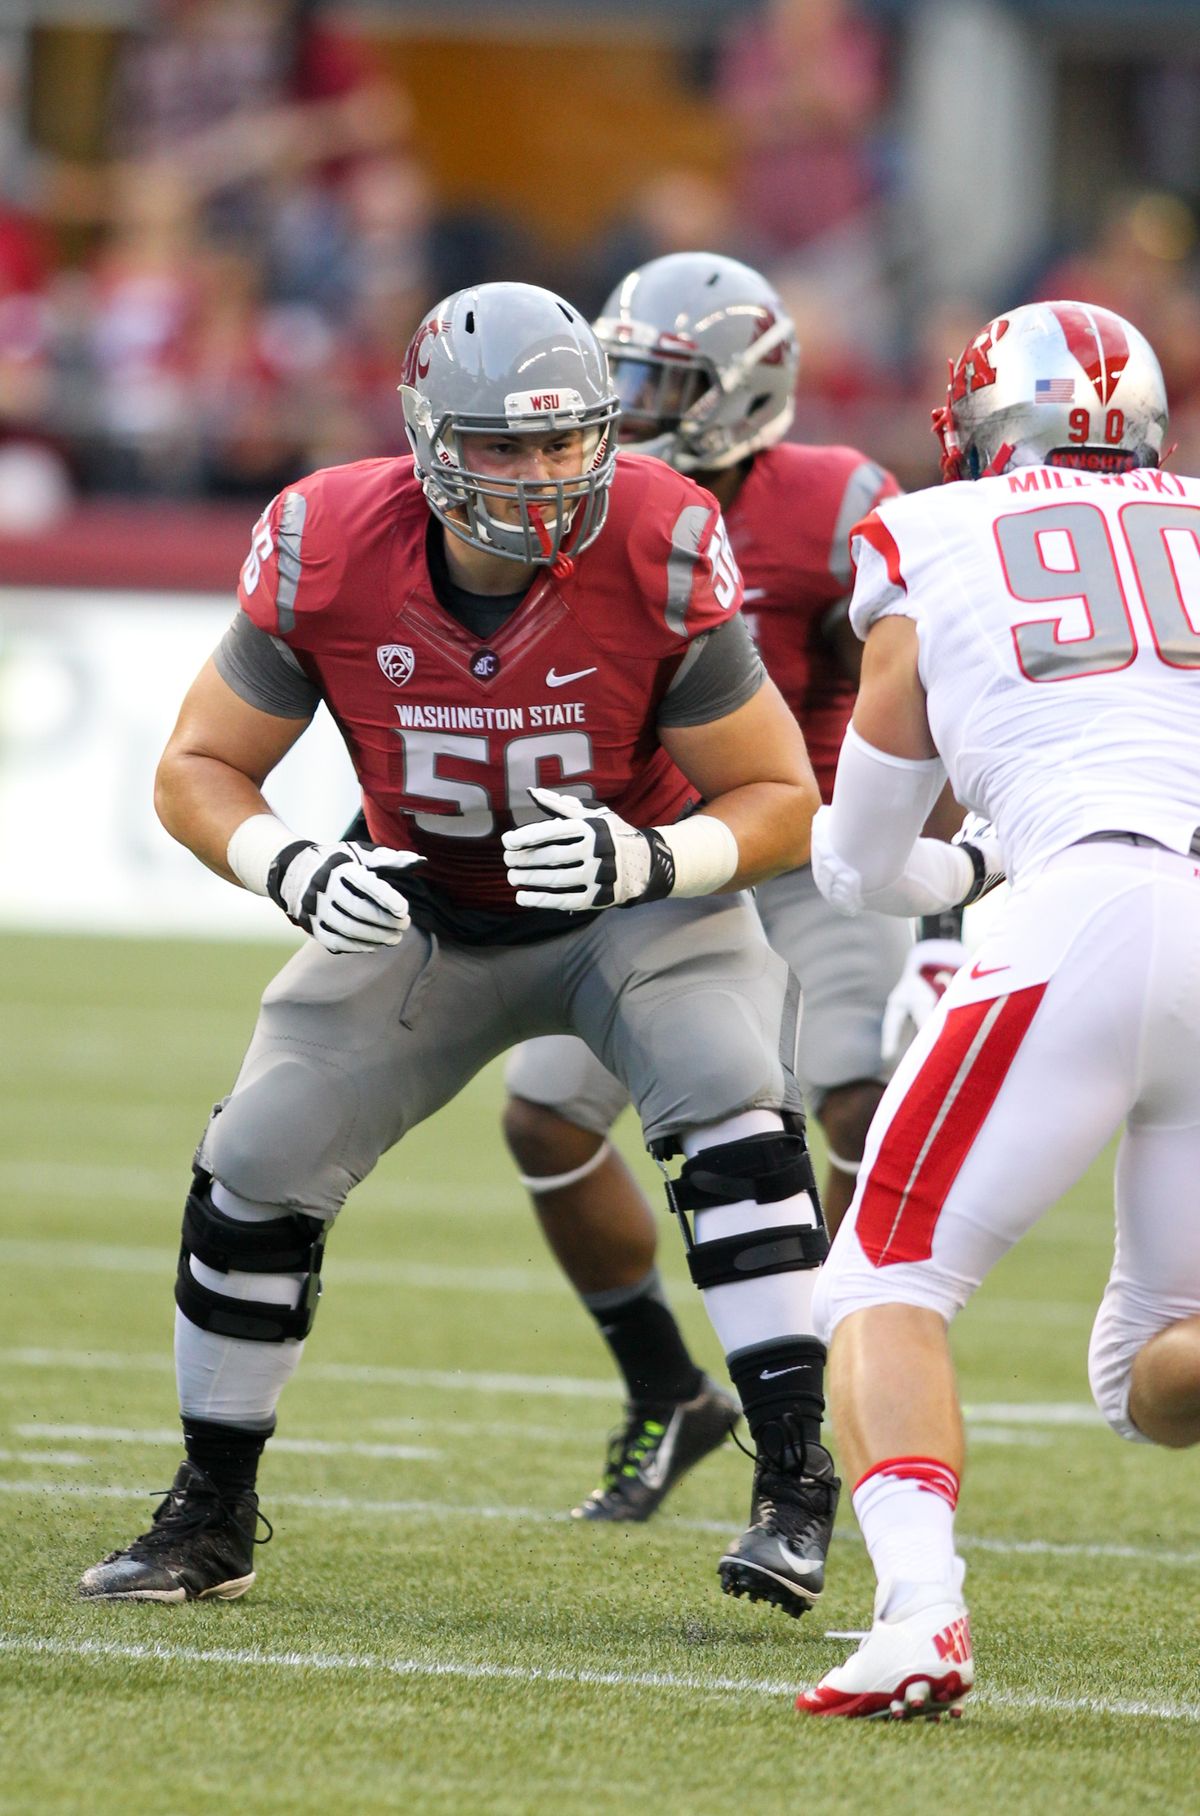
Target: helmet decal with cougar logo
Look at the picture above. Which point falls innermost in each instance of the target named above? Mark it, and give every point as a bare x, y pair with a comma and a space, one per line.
510, 359
704, 359
1053, 384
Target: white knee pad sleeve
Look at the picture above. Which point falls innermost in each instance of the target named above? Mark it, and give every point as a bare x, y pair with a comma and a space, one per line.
1121, 1328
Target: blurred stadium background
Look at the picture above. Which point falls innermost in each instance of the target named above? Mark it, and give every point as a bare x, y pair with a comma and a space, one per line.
219, 222
221, 219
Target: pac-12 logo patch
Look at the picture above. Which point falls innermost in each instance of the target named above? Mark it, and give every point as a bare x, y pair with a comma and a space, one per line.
397, 661
485, 664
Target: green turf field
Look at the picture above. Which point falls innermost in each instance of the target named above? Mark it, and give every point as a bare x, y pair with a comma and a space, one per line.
428, 1632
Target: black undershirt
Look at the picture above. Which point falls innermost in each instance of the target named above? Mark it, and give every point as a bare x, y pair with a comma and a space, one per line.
482, 614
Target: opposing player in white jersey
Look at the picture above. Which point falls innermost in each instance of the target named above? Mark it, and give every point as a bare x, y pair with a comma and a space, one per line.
704, 358
1036, 637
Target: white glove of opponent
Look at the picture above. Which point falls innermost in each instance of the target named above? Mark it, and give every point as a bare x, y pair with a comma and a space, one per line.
927, 971
343, 895
585, 857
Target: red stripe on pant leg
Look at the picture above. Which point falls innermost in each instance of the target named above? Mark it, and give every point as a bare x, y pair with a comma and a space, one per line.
909, 1129
912, 1174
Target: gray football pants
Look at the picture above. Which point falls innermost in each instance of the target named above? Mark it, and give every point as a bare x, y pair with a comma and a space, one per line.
684, 1001
848, 969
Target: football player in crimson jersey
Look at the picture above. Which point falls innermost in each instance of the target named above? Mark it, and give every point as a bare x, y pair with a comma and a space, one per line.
704, 360
534, 652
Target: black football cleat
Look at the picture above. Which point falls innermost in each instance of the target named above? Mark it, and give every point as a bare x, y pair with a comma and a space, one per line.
650, 1452
199, 1548
780, 1558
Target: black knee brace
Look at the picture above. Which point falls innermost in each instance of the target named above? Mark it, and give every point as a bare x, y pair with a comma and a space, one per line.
288, 1244
766, 1169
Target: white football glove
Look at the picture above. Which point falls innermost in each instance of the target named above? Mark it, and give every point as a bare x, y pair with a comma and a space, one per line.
343, 895
977, 837
585, 857
927, 972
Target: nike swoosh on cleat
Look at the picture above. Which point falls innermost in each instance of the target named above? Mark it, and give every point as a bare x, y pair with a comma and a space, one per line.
654, 1470
554, 679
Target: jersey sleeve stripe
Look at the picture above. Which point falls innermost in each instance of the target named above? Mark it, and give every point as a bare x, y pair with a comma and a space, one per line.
872, 529
862, 492
681, 564
291, 532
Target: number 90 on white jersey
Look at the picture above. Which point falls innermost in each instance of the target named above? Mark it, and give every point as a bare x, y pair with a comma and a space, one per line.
1059, 625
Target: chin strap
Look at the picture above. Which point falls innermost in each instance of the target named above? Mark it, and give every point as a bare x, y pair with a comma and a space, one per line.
562, 567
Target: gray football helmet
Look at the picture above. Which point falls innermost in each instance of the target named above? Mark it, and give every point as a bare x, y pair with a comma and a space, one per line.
515, 358
1053, 384
703, 358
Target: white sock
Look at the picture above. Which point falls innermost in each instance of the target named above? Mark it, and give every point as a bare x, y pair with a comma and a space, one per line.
231, 1380
747, 1312
905, 1511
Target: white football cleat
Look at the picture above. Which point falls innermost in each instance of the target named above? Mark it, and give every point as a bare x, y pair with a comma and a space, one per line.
917, 1663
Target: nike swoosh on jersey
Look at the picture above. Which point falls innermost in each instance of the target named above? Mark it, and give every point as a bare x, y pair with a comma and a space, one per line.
556, 680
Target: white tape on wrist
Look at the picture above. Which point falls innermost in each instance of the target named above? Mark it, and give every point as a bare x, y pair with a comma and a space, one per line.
253, 849
705, 853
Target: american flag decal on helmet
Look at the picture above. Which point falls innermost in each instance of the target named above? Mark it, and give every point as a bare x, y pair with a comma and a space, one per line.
1054, 391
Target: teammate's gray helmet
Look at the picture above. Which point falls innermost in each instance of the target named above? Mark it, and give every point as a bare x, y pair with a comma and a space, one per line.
517, 359
1060, 384
703, 357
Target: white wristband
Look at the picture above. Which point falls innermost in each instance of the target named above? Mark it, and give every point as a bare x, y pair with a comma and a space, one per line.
705, 853
252, 850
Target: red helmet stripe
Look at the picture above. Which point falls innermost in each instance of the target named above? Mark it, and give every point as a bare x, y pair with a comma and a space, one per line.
1098, 341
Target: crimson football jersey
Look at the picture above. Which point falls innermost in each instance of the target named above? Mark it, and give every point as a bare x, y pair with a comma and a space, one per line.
448, 732
790, 529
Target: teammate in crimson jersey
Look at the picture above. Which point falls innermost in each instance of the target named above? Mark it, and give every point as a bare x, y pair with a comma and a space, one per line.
704, 359
1034, 637
534, 652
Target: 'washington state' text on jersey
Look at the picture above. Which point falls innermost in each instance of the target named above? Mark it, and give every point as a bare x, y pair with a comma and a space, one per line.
447, 733
790, 528
1058, 618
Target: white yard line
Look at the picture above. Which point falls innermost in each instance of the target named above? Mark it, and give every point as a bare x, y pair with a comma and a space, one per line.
567, 1387
321, 1447
299, 1447
362, 1373
167, 1186
372, 1509
424, 1276
251, 1658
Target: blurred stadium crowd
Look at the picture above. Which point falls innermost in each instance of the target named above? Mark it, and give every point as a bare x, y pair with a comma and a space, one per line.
219, 300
